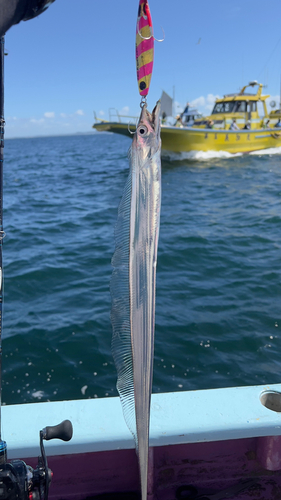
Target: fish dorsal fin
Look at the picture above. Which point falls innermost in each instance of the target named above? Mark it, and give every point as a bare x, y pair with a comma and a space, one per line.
120, 310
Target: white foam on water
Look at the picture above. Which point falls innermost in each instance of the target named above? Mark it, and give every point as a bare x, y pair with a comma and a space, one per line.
209, 155
269, 151
198, 155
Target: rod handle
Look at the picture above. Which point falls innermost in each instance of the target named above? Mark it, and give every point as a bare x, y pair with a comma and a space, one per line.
63, 431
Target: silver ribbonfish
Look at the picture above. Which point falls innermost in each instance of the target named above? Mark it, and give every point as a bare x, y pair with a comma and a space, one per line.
133, 282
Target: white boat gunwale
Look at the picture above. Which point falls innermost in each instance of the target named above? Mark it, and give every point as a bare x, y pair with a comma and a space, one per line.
176, 418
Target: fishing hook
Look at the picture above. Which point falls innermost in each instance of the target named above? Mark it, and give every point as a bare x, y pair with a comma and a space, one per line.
151, 36
144, 37
162, 39
130, 132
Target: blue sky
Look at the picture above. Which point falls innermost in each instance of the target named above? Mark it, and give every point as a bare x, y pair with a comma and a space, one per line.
79, 57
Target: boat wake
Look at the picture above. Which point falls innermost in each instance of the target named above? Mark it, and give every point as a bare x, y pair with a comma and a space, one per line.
198, 155
269, 151
210, 155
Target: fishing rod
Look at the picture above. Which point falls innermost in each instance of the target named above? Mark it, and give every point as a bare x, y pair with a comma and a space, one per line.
19, 481
3, 448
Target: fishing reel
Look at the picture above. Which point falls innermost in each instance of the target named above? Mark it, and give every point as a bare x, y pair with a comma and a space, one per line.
22, 482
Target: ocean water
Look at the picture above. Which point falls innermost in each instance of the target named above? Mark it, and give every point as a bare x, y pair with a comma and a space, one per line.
218, 315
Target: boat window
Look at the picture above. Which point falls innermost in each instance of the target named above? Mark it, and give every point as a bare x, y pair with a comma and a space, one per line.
234, 107
240, 107
223, 107
252, 106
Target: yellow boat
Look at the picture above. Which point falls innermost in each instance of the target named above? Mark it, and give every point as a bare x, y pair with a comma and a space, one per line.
216, 132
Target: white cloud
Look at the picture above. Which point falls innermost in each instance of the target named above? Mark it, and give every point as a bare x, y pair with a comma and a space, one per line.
198, 102
204, 104
34, 120
211, 98
124, 111
210, 101
49, 114
49, 123
101, 113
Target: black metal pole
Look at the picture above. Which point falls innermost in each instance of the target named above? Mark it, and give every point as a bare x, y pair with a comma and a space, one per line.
2, 123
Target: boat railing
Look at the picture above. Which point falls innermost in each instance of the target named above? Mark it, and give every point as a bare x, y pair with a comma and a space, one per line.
113, 113
114, 116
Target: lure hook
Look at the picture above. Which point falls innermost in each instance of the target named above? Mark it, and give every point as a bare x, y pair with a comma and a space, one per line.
139, 33
130, 132
151, 36
162, 39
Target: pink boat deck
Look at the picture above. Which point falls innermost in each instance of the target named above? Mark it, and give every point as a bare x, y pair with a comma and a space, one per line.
211, 467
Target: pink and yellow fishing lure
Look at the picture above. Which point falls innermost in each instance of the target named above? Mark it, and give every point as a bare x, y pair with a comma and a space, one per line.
144, 48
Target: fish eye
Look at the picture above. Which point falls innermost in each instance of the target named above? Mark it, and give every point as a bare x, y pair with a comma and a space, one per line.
142, 130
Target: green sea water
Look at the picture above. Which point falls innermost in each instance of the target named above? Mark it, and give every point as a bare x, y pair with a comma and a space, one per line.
218, 305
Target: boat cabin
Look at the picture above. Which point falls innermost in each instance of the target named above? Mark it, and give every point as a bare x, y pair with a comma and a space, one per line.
189, 116
241, 107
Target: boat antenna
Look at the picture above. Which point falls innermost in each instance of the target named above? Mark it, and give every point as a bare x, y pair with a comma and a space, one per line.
3, 447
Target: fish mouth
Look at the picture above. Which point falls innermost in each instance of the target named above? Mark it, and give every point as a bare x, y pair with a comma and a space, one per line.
156, 117
152, 118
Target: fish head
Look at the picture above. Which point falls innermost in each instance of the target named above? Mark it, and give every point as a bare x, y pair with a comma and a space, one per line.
147, 136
